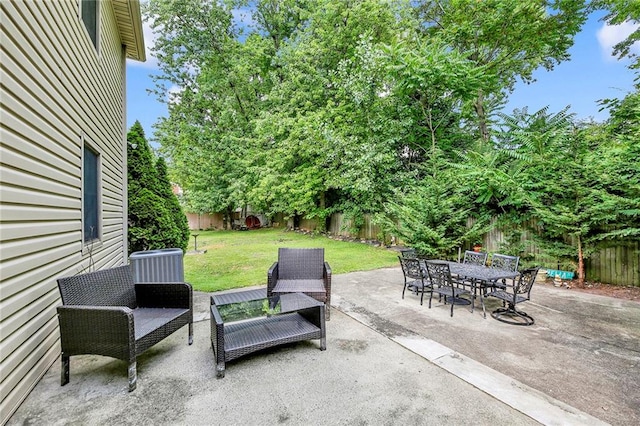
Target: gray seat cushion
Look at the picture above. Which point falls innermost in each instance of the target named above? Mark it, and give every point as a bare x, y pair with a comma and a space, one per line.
295, 286
148, 320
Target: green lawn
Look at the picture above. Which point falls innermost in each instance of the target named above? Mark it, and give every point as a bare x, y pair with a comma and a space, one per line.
242, 258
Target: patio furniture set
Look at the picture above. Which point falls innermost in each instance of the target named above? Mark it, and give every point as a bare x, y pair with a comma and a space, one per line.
107, 313
452, 280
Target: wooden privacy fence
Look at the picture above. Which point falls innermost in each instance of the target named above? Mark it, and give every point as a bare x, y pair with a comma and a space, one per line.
202, 221
618, 265
341, 226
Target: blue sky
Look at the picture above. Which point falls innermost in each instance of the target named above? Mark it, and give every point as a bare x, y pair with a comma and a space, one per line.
591, 74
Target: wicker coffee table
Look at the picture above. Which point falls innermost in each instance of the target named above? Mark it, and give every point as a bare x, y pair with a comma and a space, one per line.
247, 321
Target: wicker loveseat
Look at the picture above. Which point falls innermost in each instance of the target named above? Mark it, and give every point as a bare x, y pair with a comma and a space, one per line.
105, 313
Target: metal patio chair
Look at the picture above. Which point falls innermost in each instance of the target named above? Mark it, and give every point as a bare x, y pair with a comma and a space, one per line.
505, 263
442, 283
408, 252
415, 277
475, 257
511, 295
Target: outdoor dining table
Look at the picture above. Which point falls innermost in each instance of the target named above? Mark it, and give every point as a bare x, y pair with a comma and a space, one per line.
479, 276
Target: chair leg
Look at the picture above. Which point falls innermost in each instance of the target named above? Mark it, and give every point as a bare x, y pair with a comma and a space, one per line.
474, 289
452, 304
220, 367
483, 292
64, 372
190, 333
133, 376
511, 316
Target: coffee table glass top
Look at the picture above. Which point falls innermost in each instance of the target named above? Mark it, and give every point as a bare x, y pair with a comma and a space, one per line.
250, 304
250, 309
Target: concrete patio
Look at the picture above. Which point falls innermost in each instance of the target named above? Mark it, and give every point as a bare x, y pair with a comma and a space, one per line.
388, 361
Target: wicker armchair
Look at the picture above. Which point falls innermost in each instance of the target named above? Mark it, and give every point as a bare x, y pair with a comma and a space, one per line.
301, 271
105, 313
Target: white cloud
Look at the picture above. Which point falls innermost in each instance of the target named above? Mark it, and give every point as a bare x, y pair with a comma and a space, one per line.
610, 35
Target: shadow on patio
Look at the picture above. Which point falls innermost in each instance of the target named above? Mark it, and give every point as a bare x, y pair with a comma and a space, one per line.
388, 361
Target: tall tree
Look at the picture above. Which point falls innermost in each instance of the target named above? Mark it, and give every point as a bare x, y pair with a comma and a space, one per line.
617, 168
220, 80
314, 134
510, 38
575, 182
433, 216
432, 82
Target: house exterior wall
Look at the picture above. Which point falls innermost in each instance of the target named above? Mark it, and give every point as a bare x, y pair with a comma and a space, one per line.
58, 92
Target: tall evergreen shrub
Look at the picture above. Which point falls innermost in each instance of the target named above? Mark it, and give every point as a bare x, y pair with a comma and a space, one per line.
155, 218
172, 204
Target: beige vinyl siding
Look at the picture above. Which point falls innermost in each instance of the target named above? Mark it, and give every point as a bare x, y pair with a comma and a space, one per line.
57, 92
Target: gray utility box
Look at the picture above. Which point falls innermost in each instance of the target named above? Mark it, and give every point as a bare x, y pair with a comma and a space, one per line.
157, 266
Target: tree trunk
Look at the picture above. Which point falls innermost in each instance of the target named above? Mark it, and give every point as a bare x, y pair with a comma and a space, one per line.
322, 222
227, 218
581, 276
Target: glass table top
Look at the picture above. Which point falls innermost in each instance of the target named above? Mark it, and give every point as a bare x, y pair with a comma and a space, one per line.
250, 304
239, 311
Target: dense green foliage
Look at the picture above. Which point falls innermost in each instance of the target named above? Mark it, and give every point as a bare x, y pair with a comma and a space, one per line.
155, 217
391, 108
171, 203
509, 38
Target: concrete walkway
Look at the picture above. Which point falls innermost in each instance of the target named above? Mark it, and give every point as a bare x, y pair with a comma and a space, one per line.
578, 363
388, 361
